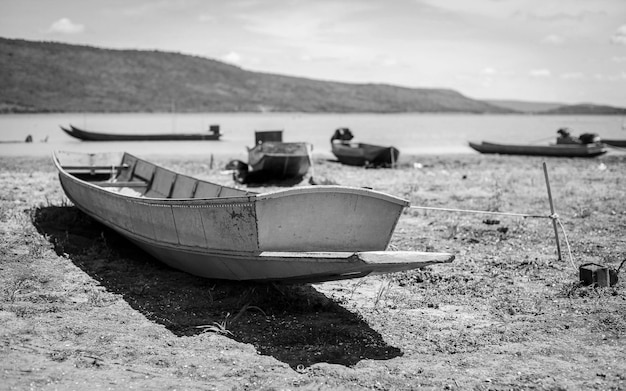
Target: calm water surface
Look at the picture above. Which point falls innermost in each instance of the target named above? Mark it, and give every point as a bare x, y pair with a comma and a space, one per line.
411, 133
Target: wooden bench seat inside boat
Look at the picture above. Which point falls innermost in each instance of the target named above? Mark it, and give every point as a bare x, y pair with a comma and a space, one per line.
158, 182
122, 184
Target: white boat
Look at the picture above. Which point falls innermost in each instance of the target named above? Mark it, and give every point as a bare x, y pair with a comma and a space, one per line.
313, 233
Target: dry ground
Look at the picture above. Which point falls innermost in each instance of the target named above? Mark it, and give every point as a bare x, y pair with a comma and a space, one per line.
81, 308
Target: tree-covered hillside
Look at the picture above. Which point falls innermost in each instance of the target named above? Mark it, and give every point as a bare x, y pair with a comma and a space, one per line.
51, 77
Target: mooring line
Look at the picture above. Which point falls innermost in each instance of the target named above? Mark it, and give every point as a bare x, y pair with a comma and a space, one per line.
483, 212
616, 147
569, 249
556, 222
554, 217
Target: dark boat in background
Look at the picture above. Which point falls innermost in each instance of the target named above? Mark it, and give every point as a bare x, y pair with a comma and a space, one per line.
361, 154
621, 143
557, 150
86, 135
585, 145
587, 138
272, 159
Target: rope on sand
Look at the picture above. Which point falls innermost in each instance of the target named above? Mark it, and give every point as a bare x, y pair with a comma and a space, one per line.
622, 149
569, 249
554, 217
481, 211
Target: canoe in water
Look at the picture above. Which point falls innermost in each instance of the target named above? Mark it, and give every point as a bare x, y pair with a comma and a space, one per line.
556, 150
86, 135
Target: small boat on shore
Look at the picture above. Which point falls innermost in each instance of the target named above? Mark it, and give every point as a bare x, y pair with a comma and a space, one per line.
556, 150
85, 135
272, 159
304, 234
361, 154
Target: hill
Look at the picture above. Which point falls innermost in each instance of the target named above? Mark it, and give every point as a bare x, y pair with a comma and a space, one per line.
524, 106
588, 109
57, 77
550, 108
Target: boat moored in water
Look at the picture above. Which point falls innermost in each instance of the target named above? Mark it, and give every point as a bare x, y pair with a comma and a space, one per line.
85, 135
556, 150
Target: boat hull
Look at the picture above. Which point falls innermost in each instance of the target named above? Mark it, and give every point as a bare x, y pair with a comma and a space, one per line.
85, 135
301, 234
359, 154
279, 160
559, 150
621, 143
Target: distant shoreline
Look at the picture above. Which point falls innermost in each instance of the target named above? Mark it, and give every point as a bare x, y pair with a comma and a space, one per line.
21, 112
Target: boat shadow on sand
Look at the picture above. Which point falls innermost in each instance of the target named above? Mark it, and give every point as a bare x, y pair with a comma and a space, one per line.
295, 324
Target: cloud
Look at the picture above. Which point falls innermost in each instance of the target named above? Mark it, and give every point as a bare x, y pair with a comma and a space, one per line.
203, 18
488, 71
66, 26
151, 7
553, 39
572, 75
619, 59
387, 61
610, 78
571, 16
232, 57
540, 73
619, 38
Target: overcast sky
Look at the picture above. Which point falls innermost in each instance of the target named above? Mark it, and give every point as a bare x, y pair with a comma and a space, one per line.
568, 51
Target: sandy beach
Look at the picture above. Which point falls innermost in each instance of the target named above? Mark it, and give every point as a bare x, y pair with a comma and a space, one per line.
81, 308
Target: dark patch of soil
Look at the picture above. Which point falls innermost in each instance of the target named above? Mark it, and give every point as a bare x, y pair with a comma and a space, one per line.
293, 323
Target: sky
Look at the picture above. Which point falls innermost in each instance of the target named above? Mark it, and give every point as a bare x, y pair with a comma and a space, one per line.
564, 51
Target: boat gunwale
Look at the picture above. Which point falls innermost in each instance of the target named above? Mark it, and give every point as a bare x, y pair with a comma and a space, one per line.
356, 144
155, 200
250, 198
332, 189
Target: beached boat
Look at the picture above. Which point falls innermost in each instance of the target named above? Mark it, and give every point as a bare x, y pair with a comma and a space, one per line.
85, 135
273, 159
304, 234
557, 150
361, 154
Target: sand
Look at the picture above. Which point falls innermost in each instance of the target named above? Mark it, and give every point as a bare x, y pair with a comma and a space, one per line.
81, 308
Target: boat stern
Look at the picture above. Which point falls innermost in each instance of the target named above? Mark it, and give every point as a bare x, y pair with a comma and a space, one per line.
327, 218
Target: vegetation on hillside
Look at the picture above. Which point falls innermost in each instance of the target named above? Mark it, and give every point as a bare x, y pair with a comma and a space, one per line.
49, 76
57, 77
587, 109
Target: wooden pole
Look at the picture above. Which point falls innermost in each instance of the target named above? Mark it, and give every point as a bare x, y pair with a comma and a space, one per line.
556, 229
309, 152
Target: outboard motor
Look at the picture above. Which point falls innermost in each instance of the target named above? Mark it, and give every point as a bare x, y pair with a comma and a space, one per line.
343, 134
589, 138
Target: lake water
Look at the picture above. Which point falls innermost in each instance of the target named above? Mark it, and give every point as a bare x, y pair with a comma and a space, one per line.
411, 133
